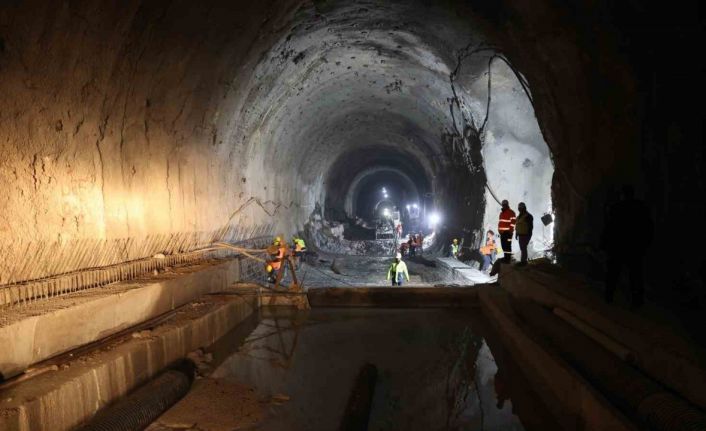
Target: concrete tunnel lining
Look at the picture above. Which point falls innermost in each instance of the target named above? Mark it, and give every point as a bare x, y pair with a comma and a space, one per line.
174, 158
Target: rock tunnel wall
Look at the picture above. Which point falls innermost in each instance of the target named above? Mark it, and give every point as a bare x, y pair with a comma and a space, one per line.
117, 124
129, 128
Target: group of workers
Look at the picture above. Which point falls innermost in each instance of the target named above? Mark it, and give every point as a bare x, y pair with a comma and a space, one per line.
520, 225
413, 245
279, 251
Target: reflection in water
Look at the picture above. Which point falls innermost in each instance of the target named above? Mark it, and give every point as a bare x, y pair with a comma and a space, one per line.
434, 372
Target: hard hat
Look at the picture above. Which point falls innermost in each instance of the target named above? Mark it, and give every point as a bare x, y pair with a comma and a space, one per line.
277, 240
398, 256
455, 240
269, 268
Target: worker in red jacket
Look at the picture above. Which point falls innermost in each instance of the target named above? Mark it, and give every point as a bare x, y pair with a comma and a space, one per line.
506, 227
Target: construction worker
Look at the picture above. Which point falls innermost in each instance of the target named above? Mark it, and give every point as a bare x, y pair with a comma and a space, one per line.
488, 251
299, 249
411, 245
506, 227
523, 231
454, 248
398, 270
276, 252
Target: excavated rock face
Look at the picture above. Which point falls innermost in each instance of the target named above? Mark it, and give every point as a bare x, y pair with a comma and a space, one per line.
130, 128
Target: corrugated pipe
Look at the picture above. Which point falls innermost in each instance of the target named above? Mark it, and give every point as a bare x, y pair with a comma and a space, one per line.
629, 389
139, 409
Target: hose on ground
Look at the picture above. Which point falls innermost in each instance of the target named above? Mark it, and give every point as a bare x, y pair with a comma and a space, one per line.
139, 409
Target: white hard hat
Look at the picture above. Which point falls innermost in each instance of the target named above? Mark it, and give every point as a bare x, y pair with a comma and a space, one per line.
398, 256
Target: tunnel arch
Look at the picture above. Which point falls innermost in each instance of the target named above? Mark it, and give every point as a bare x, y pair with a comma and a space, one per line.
352, 204
125, 123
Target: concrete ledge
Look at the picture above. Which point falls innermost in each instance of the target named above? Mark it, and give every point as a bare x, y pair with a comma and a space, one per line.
89, 316
658, 350
61, 400
572, 400
462, 273
393, 297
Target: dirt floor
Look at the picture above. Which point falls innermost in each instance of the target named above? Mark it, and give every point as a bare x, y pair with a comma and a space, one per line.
214, 405
330, 270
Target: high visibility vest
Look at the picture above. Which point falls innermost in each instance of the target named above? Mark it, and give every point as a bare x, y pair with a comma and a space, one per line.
397, 268
454, 249
277, 261
524, 224
507, 221
299, 244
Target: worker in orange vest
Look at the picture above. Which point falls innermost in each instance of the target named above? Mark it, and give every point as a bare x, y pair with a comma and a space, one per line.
506, 227
276, 252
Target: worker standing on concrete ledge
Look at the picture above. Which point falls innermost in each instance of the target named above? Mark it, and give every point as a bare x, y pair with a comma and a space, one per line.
398, 270
523, 231
506, 227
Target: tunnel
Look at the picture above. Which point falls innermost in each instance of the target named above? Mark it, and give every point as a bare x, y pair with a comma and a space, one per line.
143, 135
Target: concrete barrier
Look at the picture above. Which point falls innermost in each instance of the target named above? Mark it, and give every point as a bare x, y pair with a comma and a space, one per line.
572, 400
657, 349
61, 400
462, 273
91, 315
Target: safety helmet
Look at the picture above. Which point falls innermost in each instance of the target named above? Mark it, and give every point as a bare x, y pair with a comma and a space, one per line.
455, 241
398, 256
277, 240
269, 268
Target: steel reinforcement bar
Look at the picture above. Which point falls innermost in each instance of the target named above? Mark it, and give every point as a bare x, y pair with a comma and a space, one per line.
21, 294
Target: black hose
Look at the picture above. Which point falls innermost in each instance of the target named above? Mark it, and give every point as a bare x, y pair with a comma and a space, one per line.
360, 402
139, 409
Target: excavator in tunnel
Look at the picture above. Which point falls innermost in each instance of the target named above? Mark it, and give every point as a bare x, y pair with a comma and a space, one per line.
153, 149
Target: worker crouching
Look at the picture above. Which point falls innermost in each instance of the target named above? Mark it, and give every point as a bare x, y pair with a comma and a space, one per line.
489, 250
398, 271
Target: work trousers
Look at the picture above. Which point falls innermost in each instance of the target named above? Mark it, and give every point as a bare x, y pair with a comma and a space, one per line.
506, 243
634, 265
398, 282
488, 260
524, 242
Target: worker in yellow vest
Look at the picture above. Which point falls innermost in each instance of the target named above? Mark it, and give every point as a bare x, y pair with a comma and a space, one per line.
398, 271
299, 249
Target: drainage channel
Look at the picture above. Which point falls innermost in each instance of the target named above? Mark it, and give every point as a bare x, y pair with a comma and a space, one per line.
434, 368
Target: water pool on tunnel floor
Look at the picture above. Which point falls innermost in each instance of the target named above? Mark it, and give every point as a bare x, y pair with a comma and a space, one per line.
428, 364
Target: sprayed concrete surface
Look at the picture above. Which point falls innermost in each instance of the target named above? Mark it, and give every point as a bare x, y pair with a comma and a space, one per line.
436, 371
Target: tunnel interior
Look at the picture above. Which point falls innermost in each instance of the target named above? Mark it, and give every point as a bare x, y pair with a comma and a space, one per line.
162, 127
160, 130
